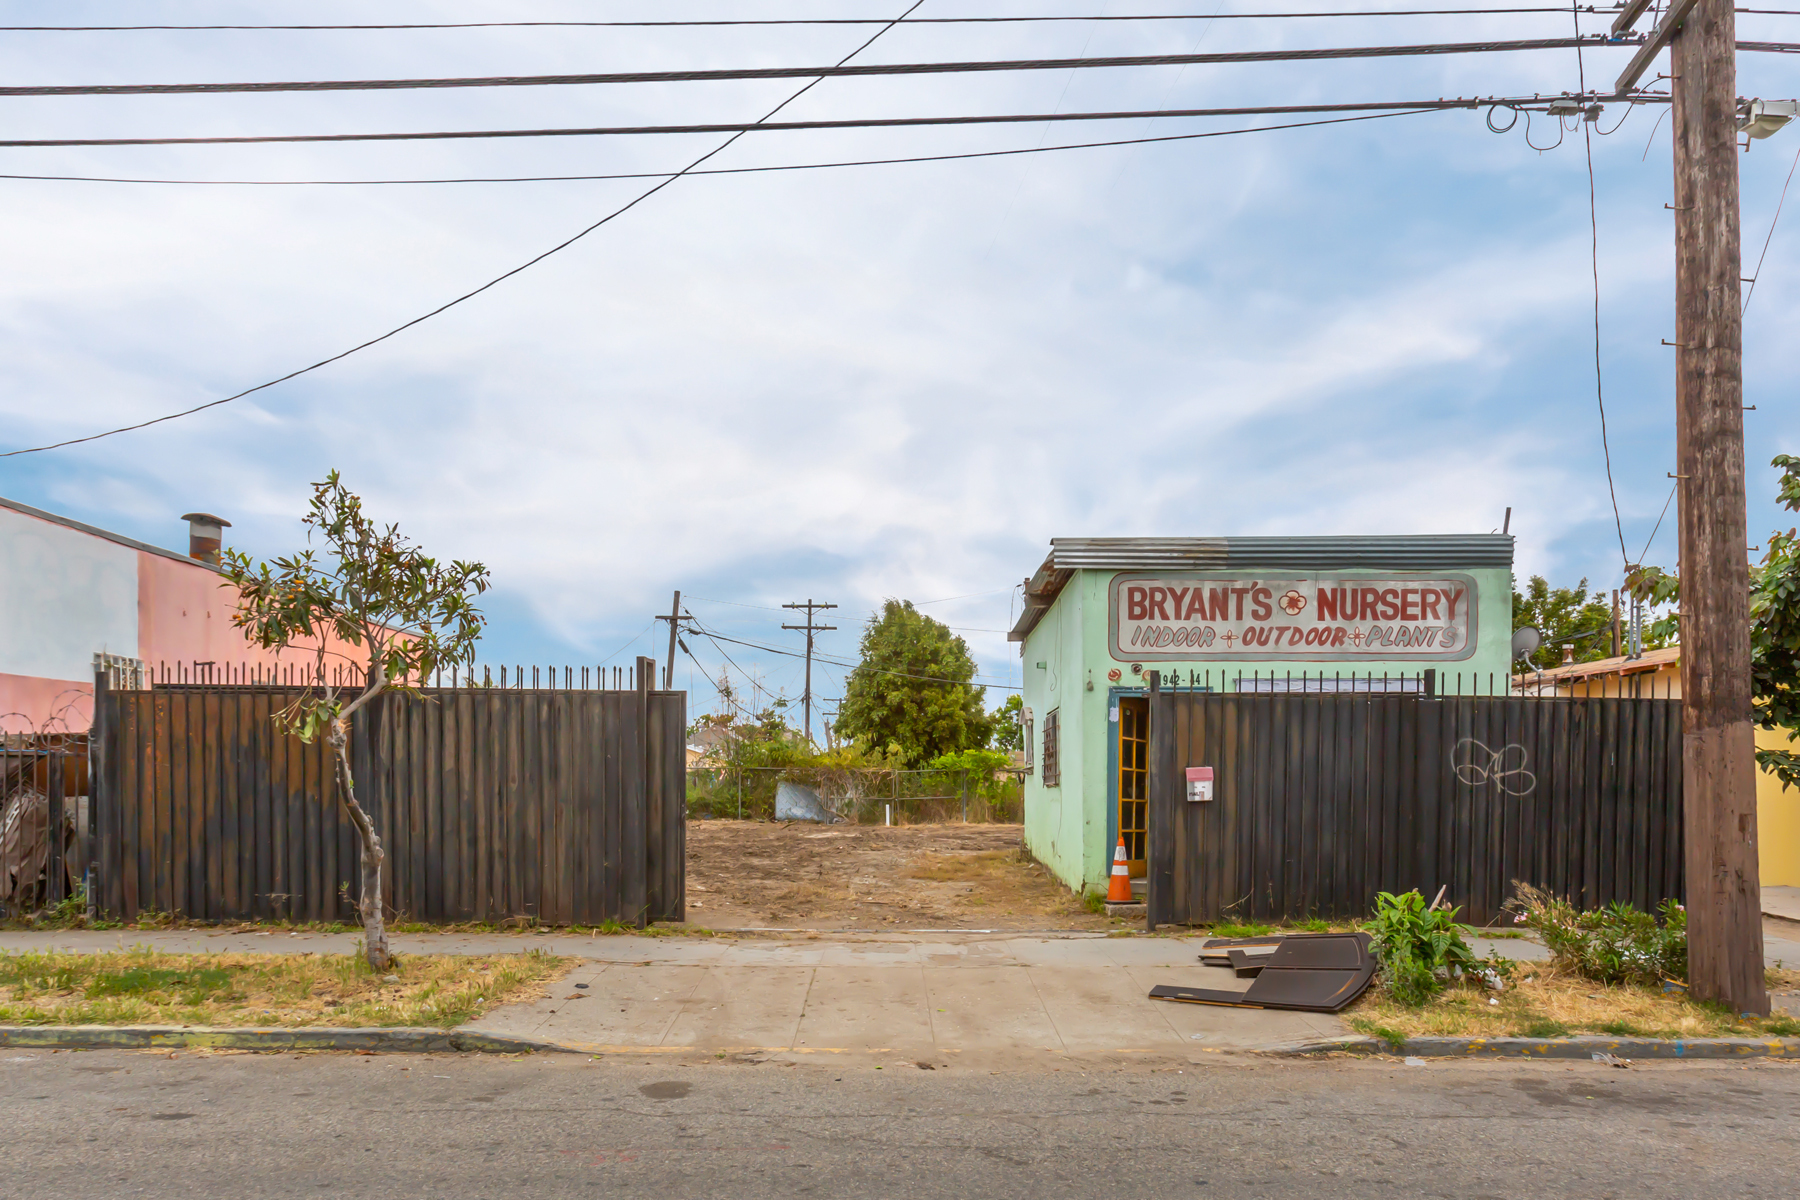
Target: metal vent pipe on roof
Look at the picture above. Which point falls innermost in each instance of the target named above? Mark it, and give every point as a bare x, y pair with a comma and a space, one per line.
205, 532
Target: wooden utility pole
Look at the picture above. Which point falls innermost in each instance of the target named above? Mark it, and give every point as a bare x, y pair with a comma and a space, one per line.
806, 697
1718, 754
674, 620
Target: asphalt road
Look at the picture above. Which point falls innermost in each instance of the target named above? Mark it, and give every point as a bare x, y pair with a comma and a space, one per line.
127, 1124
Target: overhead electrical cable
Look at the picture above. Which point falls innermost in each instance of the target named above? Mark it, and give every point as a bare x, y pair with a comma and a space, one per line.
861, 162
1399, 12
979, 680
842, 70
1259, 110
1587, 141
1779, 205
469, 295
1659, 520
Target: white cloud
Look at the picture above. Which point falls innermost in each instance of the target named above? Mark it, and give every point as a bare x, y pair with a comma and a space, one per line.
854, 383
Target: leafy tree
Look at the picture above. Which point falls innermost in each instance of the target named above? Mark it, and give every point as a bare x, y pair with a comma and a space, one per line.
912, 694
409, 613
987, 771
1564, 615
1009, 724
1774, 627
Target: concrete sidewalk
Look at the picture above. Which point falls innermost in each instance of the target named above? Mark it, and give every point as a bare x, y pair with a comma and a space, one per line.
1783, 902
923, 996
916, 999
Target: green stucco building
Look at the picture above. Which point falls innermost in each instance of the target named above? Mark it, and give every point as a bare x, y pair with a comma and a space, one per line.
1414, 613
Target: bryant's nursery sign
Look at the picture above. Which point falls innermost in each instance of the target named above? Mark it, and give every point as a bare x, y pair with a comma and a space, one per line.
1322, 617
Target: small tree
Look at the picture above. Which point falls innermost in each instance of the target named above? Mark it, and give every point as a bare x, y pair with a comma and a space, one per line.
1563, 615
409, 614
912, 696
1009, 724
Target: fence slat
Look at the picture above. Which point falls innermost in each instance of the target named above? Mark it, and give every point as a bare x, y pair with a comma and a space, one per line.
1323, 799
570, 805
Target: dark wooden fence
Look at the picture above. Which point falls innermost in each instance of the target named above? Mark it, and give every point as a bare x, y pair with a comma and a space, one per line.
565, 805
1322, 800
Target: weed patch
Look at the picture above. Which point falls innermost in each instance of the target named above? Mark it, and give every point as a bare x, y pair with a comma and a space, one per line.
1547, 1000
142, 987
1614, 944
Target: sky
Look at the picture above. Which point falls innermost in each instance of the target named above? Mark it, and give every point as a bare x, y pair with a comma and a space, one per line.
865, 382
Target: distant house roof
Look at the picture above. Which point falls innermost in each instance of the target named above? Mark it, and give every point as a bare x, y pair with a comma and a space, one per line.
96, 531
1650, 660
710, 737
1400, 552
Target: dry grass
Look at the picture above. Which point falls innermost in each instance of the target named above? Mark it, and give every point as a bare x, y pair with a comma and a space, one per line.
1547, 1002
140, 987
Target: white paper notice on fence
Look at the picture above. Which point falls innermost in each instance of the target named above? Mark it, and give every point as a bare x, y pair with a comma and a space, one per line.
1200, 783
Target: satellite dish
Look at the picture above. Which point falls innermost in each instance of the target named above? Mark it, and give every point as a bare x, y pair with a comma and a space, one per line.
1525, 639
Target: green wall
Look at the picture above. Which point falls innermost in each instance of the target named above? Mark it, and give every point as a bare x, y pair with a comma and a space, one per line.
1070, 828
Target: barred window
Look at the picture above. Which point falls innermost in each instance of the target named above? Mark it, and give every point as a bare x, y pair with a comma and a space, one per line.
1052, 767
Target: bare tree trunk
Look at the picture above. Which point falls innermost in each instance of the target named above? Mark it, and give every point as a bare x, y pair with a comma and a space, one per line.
369, 903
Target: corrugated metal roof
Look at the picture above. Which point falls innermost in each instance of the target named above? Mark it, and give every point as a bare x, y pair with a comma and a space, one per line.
1408, 552
1400, 552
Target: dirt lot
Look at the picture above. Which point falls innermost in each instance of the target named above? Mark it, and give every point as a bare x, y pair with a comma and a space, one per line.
802, 876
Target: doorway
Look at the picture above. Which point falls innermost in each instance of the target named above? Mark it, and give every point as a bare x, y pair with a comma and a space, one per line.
1134, 779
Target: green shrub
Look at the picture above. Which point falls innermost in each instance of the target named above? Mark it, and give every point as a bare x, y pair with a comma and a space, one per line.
1615, 944
1419, 946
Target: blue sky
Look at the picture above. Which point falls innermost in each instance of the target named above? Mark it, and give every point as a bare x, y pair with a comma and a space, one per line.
866, 382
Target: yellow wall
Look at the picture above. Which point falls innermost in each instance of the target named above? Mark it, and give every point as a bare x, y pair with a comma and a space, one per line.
1777, 820
1777, 812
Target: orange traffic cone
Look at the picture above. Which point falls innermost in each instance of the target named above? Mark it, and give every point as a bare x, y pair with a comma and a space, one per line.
1118, 888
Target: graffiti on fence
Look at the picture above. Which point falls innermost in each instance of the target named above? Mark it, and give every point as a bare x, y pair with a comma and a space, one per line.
1477, 764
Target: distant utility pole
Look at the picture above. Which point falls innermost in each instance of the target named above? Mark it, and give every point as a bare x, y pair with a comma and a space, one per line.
675, 618
1718, 751
806, 697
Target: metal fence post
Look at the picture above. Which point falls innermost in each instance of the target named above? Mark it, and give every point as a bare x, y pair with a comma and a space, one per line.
100, 799
965, 795
55, 872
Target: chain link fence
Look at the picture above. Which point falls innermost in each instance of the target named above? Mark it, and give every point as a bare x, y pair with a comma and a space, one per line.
859, 795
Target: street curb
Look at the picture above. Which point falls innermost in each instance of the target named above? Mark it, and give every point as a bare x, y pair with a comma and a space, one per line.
1576, 1047
172, 1037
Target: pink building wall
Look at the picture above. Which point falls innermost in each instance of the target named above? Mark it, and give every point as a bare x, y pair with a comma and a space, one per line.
69, 591
184, 616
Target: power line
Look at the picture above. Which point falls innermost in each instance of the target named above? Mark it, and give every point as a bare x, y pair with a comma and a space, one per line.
853, 666
826, 72
1410, 12
1587, 141
498, 279
1659, 520
736, 603
1779, 205
997, 591
854, 123
1384, 111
